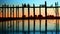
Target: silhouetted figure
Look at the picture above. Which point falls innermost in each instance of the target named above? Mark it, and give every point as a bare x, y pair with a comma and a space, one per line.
42, 5
31, 16
50, 16
24, 5
36, 16
24, 16
40, 16
28, 5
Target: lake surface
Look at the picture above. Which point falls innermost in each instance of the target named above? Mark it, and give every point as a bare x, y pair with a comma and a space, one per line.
17, 25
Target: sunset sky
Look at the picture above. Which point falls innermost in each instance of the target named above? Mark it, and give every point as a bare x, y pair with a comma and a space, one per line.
36, 2
31, 2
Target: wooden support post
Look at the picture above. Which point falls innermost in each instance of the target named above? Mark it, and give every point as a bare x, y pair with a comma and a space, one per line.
46, 17
34, 16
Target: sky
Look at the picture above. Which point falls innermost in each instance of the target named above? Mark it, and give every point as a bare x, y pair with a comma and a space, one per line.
36, 2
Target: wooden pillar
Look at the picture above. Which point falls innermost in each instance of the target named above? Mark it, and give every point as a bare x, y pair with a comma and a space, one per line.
23, 19
34, 16
45, 17
28, 19
40, 19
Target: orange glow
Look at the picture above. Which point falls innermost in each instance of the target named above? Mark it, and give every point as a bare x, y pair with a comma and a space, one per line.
50, 11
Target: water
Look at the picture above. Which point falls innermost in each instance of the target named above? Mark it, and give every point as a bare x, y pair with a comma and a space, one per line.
8, 26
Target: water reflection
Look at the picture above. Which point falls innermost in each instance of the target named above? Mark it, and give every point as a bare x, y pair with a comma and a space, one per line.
51, 25
17, 25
